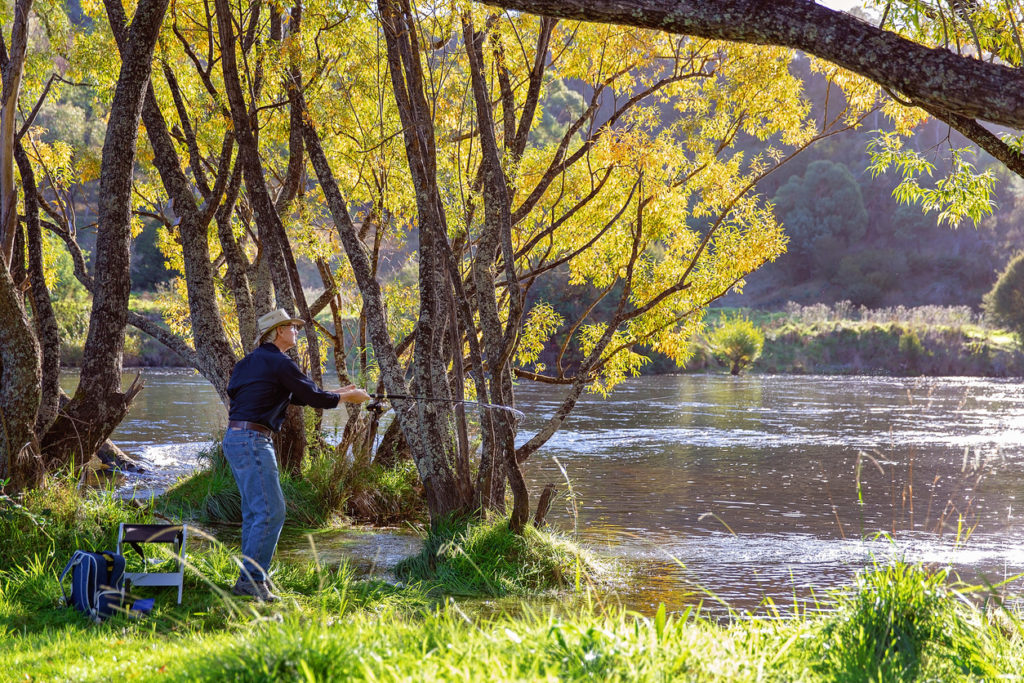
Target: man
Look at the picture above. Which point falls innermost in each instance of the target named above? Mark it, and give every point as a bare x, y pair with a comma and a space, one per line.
261, 387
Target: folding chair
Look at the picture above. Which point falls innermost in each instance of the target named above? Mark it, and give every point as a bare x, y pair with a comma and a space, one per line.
175, 534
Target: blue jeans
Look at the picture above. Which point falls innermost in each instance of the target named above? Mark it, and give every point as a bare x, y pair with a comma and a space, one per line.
254, 466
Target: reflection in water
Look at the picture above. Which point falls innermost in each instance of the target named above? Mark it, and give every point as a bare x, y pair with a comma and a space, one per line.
738, 487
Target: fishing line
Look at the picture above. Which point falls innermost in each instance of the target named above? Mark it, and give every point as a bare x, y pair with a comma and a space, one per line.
401, 397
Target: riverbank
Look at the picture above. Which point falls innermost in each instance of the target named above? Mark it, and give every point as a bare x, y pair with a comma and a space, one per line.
818, 339
140, 349
898, 622
936, 341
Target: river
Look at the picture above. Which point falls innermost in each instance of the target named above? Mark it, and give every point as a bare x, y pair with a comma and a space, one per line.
726, 490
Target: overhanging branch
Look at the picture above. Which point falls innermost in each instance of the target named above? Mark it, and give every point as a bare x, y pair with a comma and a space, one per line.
931, 77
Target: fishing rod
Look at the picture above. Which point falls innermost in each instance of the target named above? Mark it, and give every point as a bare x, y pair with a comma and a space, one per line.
402, 397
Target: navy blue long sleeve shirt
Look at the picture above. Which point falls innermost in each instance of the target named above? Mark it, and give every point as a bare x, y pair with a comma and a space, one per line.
266, 381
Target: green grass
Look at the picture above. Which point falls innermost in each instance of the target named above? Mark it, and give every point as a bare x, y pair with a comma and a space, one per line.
897, 623
331, 627
486, 558
902, 622
48, 521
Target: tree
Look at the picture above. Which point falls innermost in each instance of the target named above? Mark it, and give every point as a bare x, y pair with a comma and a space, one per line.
99, 404
1004, 303
823, 212
963, 86
35, 433
736, 341
659, 217
13, 69
19, 352
955, 63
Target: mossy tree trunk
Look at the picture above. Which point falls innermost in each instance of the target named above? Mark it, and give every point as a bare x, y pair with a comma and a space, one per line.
99, 404
44, 320
20, 380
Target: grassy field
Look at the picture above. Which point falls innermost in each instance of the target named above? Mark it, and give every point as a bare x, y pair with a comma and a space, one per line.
897, 623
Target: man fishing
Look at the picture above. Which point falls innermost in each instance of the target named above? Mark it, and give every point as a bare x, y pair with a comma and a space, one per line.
262, 386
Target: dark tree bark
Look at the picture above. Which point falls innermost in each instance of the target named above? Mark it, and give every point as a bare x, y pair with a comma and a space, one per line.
13, 68
438, 456
499, 341
43, 318
931, 77
99, 405
213, 351
238, 267
20, 379
19, 353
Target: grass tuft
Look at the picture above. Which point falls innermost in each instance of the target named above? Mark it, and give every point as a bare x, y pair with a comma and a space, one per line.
460, 557
903, 622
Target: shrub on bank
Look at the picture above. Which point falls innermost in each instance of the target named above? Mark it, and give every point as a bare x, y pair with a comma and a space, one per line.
1004, 303
470, 557
877, 345
736, 342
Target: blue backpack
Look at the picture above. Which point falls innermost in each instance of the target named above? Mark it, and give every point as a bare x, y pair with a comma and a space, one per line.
97, 583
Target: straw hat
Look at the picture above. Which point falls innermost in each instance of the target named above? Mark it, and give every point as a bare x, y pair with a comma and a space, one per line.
274, 319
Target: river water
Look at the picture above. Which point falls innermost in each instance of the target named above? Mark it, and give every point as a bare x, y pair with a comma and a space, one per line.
724, 490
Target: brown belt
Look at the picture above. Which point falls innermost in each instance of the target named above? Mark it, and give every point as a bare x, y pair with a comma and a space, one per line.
254, 426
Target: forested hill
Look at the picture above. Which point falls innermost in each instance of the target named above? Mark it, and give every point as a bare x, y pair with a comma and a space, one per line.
851, 240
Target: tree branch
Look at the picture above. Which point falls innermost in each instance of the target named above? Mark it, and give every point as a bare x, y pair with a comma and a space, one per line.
931, 77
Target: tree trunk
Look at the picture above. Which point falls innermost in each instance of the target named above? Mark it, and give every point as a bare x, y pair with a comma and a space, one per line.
442, 500
43, 317
20, 379
213, 350
499, 341
237, 276
99, 404
13, 68
437, 456
291, 442
393, 448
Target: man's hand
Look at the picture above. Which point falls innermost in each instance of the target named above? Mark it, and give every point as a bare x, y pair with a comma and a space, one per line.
353, 394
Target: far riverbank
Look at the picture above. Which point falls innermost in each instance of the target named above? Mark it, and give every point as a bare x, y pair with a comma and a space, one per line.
842, 339
934, 341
